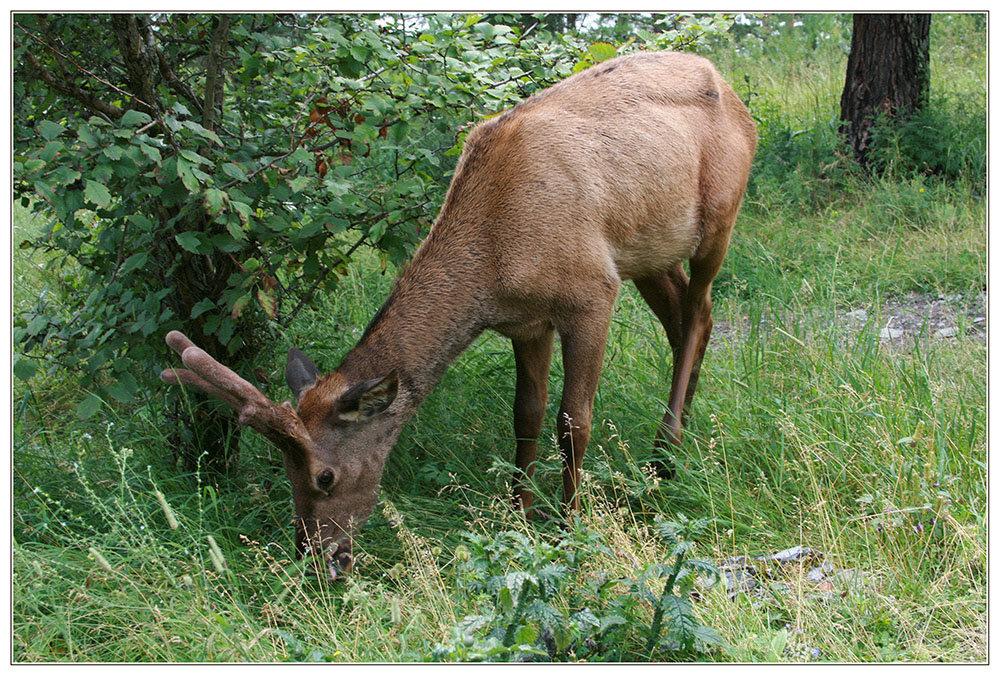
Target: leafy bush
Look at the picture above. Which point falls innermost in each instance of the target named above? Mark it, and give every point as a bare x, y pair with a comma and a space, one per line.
947, 140
543, 601
800, 163
239, 163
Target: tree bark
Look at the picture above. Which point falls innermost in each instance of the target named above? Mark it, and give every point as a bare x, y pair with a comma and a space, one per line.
213, 79
888, 74
140, 65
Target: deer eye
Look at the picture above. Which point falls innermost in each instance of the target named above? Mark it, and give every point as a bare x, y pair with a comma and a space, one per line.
325, 479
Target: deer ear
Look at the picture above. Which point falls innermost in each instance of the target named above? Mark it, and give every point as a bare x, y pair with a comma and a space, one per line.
368, 398
300, 373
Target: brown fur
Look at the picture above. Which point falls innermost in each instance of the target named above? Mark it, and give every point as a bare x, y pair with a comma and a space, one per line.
621, 172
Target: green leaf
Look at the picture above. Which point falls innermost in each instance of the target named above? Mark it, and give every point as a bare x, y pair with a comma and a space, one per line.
50, 150
708, 636
65, 175
134, 262
226, 242
201, 131
87, 136
242, 209
25, 369
193, 157
505, 599
234, 171
49, 130
135, 118
88, 407
528, 634
602, 51
239, 304
33, 165
187, 176
215, 201
297, 184
268, 302
124, 388
152, 152
609, 621
226, 328
37, 325
191, 241
399, 131
233, 227
705, 568
97, 193
201, 307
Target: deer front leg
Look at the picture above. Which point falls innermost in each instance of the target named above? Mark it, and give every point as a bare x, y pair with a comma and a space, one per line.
583, 353
532, 358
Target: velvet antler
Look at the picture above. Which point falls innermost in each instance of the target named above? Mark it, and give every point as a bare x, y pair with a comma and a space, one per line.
280, 424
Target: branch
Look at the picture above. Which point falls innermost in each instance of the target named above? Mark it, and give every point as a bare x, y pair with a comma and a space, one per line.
70, 89
138, 62
167, 73
212, 71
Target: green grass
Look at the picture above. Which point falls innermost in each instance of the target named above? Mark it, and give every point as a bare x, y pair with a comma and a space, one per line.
802, 433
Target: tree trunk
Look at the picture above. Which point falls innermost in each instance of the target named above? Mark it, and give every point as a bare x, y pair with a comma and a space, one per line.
208, 440
888, 74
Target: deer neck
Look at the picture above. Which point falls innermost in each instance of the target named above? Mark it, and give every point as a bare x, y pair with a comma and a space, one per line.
437, 307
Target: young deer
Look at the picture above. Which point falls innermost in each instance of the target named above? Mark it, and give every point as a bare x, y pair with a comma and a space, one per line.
620, 172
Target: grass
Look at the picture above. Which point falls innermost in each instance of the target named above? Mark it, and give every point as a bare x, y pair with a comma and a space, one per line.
803, 432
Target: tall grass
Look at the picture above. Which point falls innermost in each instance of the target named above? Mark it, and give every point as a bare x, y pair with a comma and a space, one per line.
804, 431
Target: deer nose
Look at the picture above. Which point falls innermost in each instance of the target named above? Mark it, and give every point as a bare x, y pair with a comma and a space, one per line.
339, 560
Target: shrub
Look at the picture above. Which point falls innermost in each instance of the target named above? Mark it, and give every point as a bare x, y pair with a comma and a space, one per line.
544, 601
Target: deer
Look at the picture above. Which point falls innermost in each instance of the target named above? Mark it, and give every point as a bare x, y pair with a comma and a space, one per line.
623, 171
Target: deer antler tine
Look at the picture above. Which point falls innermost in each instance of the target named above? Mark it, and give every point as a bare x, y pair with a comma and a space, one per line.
278, 423
191, 379
222, 377
178, 341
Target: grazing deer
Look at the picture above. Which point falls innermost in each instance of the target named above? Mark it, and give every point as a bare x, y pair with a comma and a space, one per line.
623, 171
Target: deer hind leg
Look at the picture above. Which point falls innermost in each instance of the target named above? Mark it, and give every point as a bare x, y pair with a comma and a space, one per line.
684, 306
665, 294
583, 344
532, 358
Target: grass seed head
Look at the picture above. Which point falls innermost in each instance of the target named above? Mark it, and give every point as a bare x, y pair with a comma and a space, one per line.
215, 554
167, 511
100, 560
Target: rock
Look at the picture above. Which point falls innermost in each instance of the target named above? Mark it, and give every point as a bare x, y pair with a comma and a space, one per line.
860, 315
889, 333
946, 332
787, 555
739, 580
816, 574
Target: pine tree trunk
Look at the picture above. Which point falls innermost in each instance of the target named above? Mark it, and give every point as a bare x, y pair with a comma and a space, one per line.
888, 73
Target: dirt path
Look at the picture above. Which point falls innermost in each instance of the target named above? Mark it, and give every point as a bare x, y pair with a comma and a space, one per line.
900, 320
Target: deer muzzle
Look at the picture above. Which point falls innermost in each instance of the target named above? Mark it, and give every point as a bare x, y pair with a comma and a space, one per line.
338, 559
334, 559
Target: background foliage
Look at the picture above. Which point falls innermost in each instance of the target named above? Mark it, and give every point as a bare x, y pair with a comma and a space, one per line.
211, 172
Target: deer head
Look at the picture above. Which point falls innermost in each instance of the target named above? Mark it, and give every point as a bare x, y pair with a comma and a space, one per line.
333, 446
